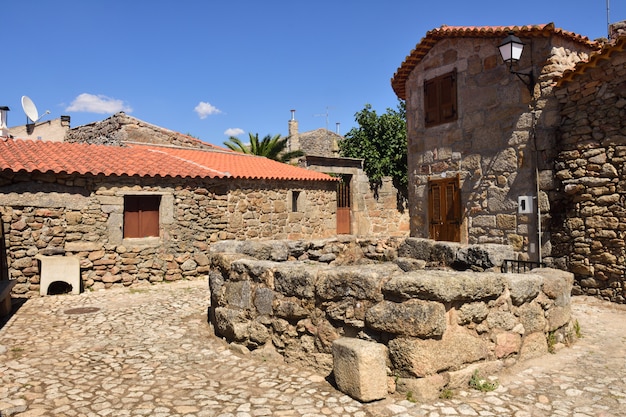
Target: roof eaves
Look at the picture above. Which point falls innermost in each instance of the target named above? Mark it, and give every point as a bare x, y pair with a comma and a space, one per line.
398, 81
594, 60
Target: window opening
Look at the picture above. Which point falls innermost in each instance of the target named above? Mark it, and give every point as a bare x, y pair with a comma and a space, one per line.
141, 216
294, 201
440, 104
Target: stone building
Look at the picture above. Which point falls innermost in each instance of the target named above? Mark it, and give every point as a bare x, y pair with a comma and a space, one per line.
145, 212
361, 209
49, 130
589, 213
539, 168
481, 145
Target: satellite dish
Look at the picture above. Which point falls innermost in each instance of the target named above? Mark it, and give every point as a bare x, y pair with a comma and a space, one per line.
31, 110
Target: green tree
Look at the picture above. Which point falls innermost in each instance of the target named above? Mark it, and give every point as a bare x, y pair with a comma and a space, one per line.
381, 142
271, 147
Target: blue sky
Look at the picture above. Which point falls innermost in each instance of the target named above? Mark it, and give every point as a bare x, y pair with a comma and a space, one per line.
219, 68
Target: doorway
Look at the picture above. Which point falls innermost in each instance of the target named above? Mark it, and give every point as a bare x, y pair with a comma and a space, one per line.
343, 205
444, 209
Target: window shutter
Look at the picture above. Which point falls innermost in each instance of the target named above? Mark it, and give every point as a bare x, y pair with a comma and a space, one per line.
440, 98
149, 217
141, 216
131, 217
448, 98
431, 100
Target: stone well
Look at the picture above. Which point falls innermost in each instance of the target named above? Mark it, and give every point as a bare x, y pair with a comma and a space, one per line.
436, 323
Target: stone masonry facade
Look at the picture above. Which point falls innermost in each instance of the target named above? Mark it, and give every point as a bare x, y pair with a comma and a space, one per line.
501, 134
590, 214
83, 216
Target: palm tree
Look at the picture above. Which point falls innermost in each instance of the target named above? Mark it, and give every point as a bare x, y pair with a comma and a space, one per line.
271, 147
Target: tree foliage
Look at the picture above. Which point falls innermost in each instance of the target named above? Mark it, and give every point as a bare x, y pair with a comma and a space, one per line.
271, 147
381, 142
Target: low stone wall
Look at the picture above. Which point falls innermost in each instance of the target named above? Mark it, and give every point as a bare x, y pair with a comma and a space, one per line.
433, 321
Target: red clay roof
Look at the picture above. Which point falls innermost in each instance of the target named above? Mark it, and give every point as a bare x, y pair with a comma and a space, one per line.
432, 37
594, 59
143, 161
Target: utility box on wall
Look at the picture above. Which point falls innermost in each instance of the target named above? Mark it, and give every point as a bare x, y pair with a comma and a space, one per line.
525, 204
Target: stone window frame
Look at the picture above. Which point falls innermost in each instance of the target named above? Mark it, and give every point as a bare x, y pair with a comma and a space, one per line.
440, 99
296, 200
166, 217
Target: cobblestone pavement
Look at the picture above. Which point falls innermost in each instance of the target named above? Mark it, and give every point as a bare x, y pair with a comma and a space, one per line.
149, 351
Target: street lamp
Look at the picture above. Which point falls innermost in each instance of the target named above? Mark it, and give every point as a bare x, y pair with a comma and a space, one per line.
511, 50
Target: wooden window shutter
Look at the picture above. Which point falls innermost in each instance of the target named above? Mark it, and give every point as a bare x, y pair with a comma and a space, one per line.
141, 216
440, 99
447, 103
431, 103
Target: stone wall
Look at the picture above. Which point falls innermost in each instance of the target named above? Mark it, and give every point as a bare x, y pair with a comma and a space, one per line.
493, 143
121, 128
590, 218
83, 216
298, 297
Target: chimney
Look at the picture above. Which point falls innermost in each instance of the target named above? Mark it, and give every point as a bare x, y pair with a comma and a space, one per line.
4, 131
293, 144
293, 124
65, 121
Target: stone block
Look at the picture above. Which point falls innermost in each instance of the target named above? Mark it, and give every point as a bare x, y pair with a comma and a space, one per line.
424, 389
523, 287
533, 346
412, 318
360, 368
419, 358
445, 286
353, 281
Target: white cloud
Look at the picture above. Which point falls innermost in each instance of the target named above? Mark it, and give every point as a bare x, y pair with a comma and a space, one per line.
234, 131
91, 103
206, 109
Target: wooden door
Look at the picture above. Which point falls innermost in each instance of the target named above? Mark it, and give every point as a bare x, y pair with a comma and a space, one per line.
444, 203
343, 205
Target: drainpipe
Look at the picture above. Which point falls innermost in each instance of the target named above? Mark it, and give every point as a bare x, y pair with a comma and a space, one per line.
537, 186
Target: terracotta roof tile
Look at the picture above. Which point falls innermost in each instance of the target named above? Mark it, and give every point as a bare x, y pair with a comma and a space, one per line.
432, 37
595, 58
143, 161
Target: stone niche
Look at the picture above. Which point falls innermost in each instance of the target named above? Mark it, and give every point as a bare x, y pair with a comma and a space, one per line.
438, 324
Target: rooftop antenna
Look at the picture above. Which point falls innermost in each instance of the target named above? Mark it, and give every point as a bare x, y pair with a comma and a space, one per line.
608, 20
324, 114
30, 109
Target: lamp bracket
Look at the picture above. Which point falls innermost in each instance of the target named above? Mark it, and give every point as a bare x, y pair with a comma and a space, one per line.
529, 81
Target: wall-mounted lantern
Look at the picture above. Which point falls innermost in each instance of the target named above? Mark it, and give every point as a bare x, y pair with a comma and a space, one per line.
511, 50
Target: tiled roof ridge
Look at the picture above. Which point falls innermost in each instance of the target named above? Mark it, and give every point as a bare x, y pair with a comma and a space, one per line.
144, 160
188, 161
213, 148
608, 49
444, 31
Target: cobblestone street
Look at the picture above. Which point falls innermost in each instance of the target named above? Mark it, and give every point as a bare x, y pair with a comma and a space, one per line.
149, 351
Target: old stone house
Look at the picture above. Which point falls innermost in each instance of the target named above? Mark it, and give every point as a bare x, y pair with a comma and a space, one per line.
474, 132
361, 209
527, 155
146, 212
